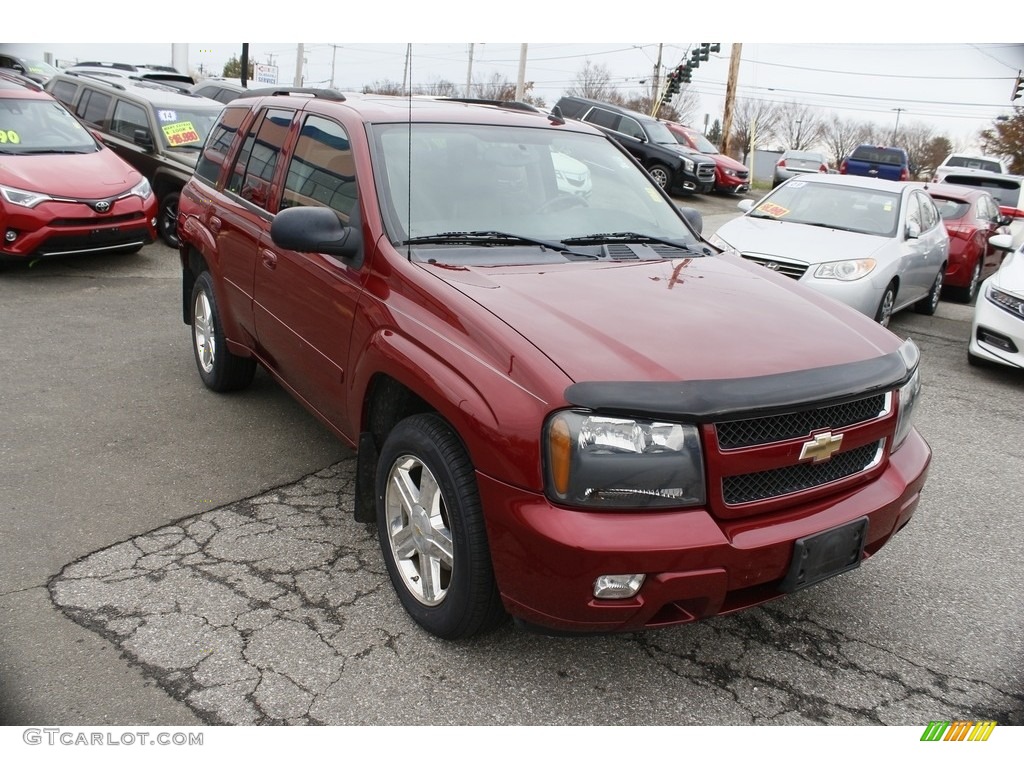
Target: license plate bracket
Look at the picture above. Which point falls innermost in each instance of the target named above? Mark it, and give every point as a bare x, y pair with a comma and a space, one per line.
826, 554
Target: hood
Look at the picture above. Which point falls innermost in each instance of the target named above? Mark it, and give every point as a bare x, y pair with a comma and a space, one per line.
727, 162
91, 176
716, 317
1010, 275
800, 242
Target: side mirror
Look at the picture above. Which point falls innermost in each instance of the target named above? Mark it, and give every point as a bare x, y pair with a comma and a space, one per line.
1005, 221
143, 138
745, 205
913, 230
1001, 242
693, 217
314, 229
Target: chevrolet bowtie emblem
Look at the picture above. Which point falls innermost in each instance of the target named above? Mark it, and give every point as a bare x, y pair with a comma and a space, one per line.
821, 447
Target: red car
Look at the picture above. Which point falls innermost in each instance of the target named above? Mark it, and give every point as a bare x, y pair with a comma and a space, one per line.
568, 409
62, 192
731, 176
971, 216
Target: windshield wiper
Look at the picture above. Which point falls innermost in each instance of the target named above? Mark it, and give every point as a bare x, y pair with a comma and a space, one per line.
54, 152
492, 237
629, 237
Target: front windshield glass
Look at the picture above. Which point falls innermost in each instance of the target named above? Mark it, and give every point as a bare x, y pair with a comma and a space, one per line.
660, 134
855, 209
38, 67
186, 128
40, 126
542, 183
703, 145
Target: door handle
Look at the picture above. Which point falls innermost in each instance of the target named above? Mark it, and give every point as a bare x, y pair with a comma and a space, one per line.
269, 259
215, 224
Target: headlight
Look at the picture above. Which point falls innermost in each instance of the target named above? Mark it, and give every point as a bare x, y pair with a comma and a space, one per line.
718, 242
142, 189
908, 393
22, 197
854, 269
603, 461
1006, 301
688, 164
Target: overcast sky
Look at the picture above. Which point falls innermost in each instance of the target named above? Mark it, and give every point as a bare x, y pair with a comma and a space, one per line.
956, 87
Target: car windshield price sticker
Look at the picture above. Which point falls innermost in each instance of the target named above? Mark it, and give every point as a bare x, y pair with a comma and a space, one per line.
9, 137
167, 116
180, 133
772, 209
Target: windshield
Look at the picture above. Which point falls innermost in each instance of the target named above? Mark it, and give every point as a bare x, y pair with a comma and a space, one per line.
40, 67
856, 209
186, 128
701, 143
951, 209
541, 183
39, 126
659, 133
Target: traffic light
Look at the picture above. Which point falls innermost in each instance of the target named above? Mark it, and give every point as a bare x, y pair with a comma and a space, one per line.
1018, 87
705, 51
684, 71
695, 58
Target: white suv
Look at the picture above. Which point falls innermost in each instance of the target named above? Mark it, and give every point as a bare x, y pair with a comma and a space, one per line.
961, 163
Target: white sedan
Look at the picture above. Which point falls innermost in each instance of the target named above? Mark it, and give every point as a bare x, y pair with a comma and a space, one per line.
997, 331
878, 246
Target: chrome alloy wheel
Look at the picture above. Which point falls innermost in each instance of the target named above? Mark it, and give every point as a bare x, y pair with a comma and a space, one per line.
417, 526
206, 347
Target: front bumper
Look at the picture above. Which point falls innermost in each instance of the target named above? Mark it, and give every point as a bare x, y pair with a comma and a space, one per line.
57, 228
546, 558
996, 335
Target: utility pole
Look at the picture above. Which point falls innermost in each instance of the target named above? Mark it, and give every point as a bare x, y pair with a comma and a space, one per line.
897, 110
299, 60
730, 95
469, 73
656, 87
334, 55
406, 85
521, 82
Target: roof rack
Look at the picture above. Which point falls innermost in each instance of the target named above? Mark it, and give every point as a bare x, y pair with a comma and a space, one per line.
16, 76
108, 64
329, 94
522, 106
98, 78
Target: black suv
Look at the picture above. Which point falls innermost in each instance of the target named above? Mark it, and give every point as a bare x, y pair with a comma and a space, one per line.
157, 128
675, 167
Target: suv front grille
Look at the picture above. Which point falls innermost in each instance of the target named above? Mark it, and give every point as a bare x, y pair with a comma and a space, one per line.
772, 429
706, 171
787, 268
758, 486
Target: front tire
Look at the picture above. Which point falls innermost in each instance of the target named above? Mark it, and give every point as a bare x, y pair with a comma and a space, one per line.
884, 312
431, 530
167, 219
661, 175
930, 303
220, 370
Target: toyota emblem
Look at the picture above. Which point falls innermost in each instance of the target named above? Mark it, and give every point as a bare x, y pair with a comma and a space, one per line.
102, 206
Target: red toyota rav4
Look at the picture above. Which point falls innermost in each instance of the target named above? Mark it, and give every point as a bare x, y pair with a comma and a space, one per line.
568, 409
62, 192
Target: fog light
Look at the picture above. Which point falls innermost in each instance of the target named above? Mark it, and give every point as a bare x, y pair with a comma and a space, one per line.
618, 586
10, 235
153, 221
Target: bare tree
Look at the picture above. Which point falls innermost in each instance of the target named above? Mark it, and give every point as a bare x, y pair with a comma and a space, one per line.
440, 87
919, 141
841, 137
752, 118
385, 87
799, 126
593, 82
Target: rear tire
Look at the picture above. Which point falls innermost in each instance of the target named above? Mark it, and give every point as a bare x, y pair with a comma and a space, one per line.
220, 370
167, 219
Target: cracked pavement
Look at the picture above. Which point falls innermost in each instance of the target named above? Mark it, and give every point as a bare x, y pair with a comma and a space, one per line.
278, 610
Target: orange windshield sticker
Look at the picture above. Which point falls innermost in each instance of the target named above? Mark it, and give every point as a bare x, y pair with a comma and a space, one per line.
772, 209
180, 133
9, 137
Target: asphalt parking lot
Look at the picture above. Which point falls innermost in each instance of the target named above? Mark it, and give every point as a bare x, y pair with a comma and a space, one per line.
176, 557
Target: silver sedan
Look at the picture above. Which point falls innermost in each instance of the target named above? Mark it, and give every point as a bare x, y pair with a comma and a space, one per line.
877, 246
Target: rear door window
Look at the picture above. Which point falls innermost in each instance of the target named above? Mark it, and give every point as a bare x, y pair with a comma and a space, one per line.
93, 106
255, 167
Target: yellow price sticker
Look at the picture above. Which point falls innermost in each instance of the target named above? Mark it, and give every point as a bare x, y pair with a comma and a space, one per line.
9, 137
180, 133
772, 209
